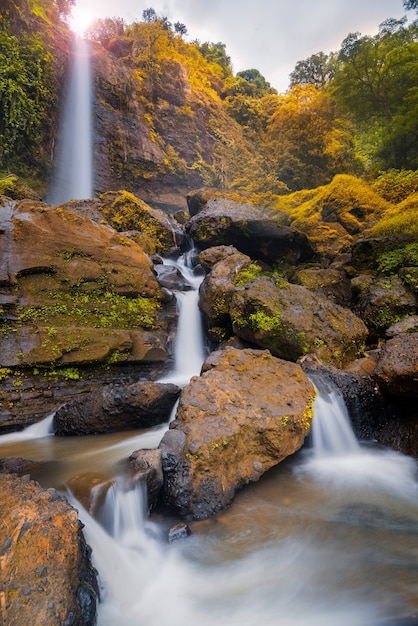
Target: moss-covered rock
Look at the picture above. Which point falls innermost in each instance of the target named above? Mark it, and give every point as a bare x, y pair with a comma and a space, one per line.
246, 413
217, 288
292, 321
73, 291
382, 301
157, 231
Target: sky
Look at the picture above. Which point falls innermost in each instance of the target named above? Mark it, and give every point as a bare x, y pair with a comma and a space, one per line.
269, 35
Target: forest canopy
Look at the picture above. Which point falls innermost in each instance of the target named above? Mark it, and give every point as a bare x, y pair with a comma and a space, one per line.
352, 111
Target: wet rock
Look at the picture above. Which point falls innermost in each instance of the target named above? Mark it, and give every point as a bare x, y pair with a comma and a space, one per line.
57, 584
249, 229
147, 466
397, 370
407, 325
381, 302
292, 321
178, 532
244, 414
17, 465
170, 277
90, 489
73, 281
364, 403
330, 282
116, 408
217, 288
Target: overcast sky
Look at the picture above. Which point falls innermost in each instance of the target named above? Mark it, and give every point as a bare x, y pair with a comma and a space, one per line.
269, 35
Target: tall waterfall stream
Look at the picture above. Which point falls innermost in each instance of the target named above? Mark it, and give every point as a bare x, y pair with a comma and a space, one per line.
328, 538
73, 162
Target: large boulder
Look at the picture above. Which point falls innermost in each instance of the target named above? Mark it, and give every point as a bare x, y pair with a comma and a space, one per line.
382, 301
73, 290
251, 230
116, 408
397, 367
156, 231
215, 293
292, 321
246, 412
47, 576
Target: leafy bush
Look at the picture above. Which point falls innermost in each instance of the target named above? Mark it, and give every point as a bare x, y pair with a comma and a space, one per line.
396, 185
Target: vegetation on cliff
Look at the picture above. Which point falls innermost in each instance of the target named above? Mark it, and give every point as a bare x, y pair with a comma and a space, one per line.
34, 45
171, 114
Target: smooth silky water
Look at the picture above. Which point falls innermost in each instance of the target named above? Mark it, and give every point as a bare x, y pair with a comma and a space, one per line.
328, 538
73, 160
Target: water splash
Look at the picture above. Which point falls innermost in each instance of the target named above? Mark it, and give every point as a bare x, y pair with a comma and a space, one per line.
73, 168
338, 462
39, 430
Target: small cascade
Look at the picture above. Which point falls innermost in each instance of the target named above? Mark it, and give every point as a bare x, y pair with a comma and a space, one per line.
73, 169
189, 347
338, 461
39, 430
332, 433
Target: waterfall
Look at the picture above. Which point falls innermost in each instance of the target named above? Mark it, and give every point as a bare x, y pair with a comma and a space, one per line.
73, 170
189, 349
338, 461
332, 433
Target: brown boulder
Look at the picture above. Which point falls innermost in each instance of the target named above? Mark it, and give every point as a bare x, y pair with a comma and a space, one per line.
397, 368
215, 293
90, 489
244, 414
73, 291
292, 321
47, 577
116, 408
252, 230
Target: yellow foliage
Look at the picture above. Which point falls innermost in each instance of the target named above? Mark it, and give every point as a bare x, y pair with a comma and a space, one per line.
399, 220
347, 200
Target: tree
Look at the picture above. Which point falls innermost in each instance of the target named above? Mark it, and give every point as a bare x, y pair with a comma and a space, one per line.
307, 142
317, 70
104, 30
375, 84
257, 80
180, 29
216, 53
410, 5
149, 15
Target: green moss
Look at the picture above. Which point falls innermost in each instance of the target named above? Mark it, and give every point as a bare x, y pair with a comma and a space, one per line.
99, 309
247, 274
391, 261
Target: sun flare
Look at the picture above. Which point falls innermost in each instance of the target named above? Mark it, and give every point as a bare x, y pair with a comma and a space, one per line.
80, 20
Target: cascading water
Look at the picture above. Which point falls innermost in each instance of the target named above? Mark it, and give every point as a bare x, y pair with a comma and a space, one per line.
73, 169
189, 350
316, 541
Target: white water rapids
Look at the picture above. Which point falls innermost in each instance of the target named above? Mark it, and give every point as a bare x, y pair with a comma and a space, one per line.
328, 538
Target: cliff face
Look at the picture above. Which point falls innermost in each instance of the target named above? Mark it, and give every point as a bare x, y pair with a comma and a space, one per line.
158, 135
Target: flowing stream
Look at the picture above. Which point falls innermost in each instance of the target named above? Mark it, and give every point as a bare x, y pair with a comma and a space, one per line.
73, 167
328, 538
